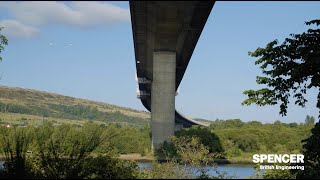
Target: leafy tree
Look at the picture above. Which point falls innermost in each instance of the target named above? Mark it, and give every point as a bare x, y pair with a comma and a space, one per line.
62, 151
292, 66
309, 120
194, 157
105, 167
206, 137
247, 143
311, 151
3, 41
293, 125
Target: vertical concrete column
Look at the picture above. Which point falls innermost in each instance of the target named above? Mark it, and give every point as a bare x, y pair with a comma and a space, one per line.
163, 97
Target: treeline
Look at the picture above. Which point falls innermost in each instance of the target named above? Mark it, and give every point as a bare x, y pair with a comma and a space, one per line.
78, 112
242, 139
15, 108
238, 140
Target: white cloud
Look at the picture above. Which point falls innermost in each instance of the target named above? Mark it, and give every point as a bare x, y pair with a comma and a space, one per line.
30, 15
16, 29
79, 13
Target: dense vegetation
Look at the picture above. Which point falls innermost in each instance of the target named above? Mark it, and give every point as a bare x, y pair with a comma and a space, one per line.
236, 140
290, 70
232, 139
241, 139
61, 152
67, 151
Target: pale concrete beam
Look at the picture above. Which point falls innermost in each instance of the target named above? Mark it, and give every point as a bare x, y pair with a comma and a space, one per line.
163, 97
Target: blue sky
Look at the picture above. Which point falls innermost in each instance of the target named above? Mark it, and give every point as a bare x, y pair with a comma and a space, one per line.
85, 49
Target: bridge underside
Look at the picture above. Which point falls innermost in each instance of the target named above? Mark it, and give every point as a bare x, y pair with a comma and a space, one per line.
162, 28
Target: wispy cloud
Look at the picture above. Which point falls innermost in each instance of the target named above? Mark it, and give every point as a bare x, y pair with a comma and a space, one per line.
33, 14
16, 29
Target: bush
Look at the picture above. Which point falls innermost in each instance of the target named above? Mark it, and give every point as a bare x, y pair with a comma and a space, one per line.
247, 143
205, 136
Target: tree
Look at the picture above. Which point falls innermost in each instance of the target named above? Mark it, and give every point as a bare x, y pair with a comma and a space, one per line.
191, 162
293, 66
309, 120
311, 151
247, 143
205, 136
3, 41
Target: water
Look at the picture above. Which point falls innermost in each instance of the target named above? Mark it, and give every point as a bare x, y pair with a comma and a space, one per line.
241, 171
237, 171
1, 164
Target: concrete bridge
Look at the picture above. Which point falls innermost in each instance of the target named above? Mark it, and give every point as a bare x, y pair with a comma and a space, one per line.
165, 34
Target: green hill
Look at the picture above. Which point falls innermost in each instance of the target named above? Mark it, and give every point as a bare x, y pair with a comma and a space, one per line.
25, 106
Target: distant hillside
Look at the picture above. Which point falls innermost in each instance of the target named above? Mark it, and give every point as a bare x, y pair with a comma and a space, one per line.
50, 105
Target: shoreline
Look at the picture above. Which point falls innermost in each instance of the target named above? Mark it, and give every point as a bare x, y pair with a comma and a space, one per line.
139, 158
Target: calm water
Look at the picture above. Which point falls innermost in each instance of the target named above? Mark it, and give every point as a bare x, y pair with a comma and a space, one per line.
237, 171
234, 170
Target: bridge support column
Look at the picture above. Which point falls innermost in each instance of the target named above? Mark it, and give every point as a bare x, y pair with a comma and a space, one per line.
163, 97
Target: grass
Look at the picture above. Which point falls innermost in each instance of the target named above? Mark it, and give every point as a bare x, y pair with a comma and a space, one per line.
31, 97
136, 157
32, 120
33, 104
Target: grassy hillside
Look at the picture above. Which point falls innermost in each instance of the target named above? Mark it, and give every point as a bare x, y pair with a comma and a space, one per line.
18, 105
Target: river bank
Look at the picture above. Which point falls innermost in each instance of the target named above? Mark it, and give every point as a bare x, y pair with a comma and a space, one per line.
139, 158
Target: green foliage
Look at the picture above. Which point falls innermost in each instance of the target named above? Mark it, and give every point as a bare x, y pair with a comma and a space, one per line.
273, 173
207, 137
311, 151
79, 112
292, 67
167, 170
309, 120
105, 167
193, 157
126, 140
247, 143
191, 150
55, 106
14, 143
278, 174
60, 152
243, 141
3, 42
229, 123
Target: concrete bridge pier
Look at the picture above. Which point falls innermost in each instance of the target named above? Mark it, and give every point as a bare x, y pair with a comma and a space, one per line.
163, 97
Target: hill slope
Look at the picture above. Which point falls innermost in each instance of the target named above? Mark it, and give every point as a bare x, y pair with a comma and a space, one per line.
50, 105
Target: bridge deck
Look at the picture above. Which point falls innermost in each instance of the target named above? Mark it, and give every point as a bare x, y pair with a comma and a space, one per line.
166, 26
